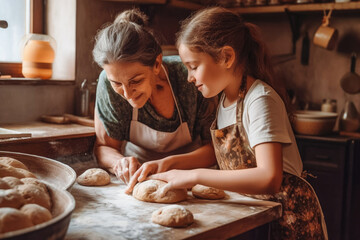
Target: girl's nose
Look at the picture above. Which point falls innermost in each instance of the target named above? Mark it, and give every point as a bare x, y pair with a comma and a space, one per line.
191, 78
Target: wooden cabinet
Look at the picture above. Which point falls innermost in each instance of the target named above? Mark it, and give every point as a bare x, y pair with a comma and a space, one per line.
334, 161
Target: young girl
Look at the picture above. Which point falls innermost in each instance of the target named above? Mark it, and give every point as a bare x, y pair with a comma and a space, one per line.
254, 143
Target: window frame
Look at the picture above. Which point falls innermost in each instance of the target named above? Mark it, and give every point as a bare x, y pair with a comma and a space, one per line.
36, 26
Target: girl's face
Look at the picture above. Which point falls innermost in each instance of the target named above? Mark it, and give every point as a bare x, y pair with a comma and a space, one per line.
207, 75
133, 81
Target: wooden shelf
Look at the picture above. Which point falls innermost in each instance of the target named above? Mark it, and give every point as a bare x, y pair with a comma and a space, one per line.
305, 7
139, 1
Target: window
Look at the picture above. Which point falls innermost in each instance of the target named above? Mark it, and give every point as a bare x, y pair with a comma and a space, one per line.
18, 18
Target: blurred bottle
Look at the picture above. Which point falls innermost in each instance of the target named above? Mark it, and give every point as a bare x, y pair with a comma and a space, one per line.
84, 99
349, 118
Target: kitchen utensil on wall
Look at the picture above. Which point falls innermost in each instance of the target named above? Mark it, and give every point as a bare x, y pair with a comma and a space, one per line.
349, 118
350, 82
326, 36
38, 56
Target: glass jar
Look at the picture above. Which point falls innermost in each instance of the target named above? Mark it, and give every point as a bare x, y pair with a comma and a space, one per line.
38, 56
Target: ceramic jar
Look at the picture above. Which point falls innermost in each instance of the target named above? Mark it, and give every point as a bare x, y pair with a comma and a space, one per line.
38, 56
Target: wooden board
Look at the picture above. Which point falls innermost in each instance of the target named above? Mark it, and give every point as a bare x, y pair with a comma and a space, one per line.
7, 133
106, 212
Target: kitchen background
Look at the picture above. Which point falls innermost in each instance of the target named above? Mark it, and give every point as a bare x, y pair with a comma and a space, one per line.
74, 23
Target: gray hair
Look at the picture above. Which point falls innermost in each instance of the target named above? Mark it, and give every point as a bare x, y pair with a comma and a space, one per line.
126, 39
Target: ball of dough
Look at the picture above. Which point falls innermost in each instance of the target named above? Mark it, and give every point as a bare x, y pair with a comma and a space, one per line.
172, 216
6, 170
12, 181
36, 213
150, 191
4, 185
201, 191
13, 162
36, 182
94, 177
11, 198
34, 194
12, 219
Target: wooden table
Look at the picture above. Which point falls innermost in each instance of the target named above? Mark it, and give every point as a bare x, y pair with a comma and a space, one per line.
106, 212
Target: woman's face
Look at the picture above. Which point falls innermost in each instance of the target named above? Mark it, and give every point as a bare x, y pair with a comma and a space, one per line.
133, 81
207, 75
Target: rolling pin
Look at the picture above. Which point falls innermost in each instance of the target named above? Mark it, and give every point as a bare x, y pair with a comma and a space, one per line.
68, 118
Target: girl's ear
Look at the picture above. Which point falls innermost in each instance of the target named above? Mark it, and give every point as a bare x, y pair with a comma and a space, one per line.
228, 55
157, 65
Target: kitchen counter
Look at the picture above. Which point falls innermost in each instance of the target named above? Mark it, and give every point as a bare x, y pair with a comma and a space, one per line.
57, 141
106, 212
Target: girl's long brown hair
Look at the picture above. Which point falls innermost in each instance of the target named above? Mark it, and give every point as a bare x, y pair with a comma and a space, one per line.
210, 29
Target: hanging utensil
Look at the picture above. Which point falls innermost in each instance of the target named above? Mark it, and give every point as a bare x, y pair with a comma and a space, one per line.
350, 82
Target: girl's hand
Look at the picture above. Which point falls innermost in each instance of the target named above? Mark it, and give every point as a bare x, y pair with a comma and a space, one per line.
125, 168
176, 179
144, 171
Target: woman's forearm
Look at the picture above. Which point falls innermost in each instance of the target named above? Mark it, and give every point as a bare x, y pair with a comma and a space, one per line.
107, 156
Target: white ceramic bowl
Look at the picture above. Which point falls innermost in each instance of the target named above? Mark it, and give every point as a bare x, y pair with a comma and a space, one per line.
314, 122
51, 171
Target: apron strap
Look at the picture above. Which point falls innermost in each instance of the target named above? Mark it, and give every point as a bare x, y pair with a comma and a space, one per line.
177, 107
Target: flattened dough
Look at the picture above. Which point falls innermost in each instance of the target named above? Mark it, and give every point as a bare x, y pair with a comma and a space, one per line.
11, 198
12, 219
201, 191
36, 213
149, 191
35, 194
7, 170
173, 216
12, 181
13, 162
94, 177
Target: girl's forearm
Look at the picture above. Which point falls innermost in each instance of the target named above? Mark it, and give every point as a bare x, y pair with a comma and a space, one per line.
250, 181
202, 157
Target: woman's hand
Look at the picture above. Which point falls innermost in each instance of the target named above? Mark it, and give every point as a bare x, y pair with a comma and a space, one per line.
144, 171
125, 168
176, 179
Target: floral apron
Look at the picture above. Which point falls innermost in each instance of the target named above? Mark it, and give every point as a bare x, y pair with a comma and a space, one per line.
302, 216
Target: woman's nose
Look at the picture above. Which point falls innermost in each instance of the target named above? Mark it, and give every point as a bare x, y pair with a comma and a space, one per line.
127, 92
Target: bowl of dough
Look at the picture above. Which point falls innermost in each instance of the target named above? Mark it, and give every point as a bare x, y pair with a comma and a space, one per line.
310, 122
31, 207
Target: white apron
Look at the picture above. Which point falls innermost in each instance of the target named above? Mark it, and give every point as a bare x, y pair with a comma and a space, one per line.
147, 143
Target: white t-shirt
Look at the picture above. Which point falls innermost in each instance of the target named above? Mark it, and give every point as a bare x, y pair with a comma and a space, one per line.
265, 120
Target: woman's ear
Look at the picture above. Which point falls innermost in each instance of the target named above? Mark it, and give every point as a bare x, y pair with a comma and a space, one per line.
228, 55
157, 65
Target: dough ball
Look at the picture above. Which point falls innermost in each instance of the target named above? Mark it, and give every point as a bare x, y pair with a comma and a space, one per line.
36, 182
149, 191
172, 216
6, 170
4, 185
36, 213
12, 181
12, 219
34, 194
201, 191
94, 177
11, 198
13, 162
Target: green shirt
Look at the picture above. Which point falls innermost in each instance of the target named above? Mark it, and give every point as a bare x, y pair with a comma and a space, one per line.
116, 113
